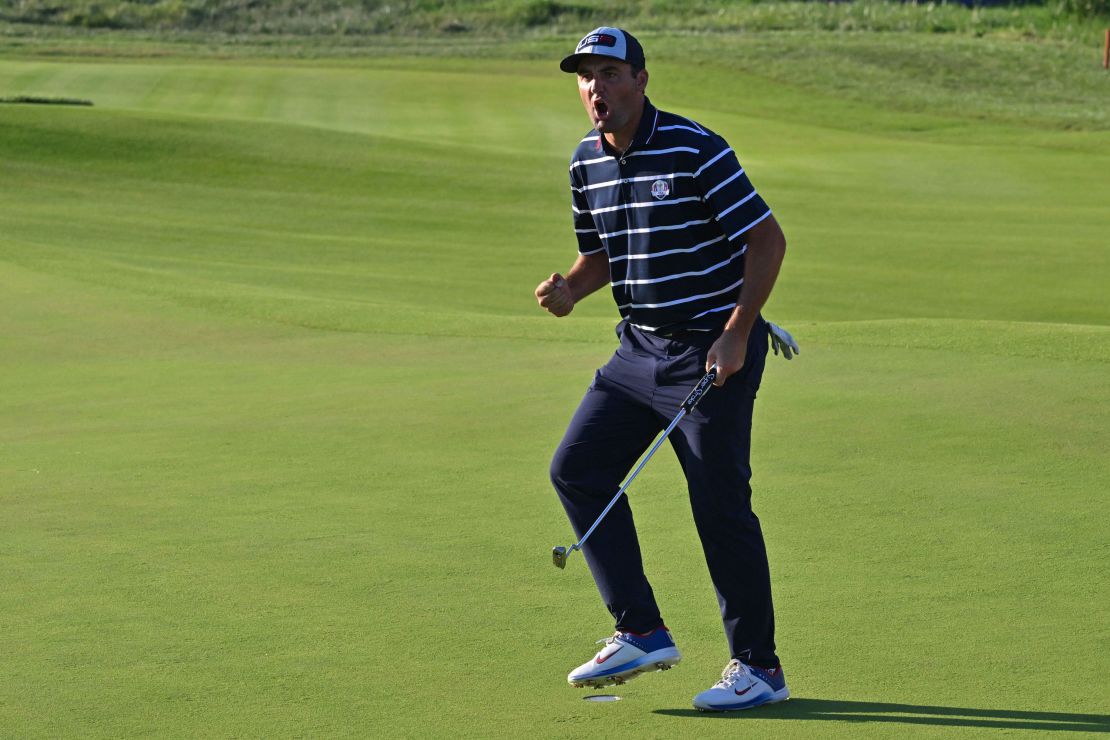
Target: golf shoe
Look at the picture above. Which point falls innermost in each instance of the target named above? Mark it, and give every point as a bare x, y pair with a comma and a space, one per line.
625, 656
742, 687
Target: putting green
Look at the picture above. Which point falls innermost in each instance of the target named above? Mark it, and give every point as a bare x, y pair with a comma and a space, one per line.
277, 407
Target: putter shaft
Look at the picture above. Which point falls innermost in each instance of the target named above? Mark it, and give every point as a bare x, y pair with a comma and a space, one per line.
560, 554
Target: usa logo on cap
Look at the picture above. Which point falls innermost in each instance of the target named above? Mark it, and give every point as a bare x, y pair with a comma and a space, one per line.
598, 39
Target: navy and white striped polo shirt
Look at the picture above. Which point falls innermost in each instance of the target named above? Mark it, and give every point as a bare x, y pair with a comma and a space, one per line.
672, 214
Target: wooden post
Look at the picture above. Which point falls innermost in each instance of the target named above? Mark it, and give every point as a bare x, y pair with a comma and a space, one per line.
1106, 51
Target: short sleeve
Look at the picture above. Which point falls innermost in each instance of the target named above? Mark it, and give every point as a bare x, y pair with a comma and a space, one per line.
728, 192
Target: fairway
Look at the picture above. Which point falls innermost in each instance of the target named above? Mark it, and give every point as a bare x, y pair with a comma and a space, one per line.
277, 406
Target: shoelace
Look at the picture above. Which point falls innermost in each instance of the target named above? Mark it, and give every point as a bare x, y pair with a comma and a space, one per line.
608, 640
732, 674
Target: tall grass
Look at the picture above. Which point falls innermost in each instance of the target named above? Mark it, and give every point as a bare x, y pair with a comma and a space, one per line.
1051, 18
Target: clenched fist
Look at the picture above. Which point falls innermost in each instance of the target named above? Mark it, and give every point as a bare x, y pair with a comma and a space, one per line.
554, 295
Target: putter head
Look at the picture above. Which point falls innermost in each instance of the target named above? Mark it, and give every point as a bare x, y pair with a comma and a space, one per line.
559, 557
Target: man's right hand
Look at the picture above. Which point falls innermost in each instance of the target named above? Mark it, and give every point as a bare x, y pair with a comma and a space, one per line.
554, 295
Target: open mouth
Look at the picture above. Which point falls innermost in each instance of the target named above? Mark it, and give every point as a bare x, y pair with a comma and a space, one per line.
601, 110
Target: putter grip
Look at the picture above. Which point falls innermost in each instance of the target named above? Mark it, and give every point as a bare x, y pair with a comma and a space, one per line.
699, 390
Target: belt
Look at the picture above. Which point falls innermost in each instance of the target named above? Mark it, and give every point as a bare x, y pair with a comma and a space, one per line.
683, 334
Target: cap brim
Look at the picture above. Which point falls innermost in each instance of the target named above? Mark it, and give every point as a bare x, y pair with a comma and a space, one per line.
570, 64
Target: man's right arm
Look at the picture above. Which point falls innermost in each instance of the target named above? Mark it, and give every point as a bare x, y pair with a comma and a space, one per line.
557, 295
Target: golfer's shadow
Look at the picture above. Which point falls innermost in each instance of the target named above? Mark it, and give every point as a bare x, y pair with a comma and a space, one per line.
911, 714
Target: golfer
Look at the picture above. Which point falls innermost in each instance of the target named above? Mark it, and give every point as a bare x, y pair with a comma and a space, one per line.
665, 215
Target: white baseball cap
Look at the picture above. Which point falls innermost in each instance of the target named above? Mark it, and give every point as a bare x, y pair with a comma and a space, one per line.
606, 42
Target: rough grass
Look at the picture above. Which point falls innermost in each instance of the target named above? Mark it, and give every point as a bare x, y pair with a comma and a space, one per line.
362, 17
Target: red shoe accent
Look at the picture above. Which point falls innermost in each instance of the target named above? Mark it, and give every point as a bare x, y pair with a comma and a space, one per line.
610, 655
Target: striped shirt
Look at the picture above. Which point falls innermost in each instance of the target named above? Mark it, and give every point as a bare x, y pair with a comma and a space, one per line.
672, 214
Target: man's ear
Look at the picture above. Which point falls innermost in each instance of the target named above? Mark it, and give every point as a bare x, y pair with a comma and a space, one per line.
642, 80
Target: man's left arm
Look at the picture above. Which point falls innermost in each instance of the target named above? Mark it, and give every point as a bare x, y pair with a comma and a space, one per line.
766, 250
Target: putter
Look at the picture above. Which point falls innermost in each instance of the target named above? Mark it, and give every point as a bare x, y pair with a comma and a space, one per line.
560, 554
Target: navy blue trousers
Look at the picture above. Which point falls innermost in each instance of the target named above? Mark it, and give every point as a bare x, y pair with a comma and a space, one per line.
633, 398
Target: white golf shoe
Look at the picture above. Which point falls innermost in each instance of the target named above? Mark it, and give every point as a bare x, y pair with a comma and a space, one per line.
742, 687
625, 656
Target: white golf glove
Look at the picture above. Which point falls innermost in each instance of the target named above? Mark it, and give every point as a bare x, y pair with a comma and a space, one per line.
781, 339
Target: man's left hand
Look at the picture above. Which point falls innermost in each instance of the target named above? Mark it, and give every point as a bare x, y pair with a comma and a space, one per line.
728, 354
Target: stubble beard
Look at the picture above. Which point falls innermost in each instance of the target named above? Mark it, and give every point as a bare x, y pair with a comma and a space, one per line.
606, 126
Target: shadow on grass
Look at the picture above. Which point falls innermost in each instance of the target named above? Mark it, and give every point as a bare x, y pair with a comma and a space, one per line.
910, 714
38, 100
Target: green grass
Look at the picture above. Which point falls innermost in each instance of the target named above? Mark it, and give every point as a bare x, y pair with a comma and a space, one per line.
277, 406
1047, 83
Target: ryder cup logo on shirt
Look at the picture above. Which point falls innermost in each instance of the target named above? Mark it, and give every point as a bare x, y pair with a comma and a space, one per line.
660, 189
